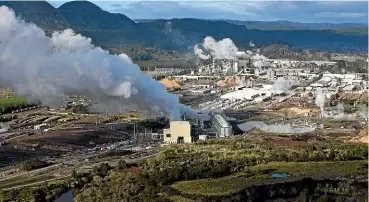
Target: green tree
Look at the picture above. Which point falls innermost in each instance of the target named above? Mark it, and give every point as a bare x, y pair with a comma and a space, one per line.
122, 164
80, 109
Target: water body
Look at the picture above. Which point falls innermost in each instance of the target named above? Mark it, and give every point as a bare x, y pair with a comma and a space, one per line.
66, 197
274, 128
280, 175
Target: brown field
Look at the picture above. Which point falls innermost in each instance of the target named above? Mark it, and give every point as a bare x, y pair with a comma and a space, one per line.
56, 143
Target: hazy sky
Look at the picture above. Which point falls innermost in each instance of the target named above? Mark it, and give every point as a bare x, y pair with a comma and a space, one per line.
298, 11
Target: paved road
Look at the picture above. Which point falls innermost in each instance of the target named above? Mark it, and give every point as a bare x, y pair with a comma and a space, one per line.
64, 160
29, 172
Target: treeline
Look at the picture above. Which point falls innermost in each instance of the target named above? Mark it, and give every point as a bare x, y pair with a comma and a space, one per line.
7, 118
80, 109
9, 109
172, 165
42, 193
32, 164
145, 182
123, 183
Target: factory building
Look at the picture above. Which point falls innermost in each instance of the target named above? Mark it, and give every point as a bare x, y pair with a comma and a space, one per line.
221, 126
179, 132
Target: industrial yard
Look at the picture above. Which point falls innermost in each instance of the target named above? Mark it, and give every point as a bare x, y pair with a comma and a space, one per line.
274, 102
232, 125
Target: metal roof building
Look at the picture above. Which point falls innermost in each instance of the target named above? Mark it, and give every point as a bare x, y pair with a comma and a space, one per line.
221, 126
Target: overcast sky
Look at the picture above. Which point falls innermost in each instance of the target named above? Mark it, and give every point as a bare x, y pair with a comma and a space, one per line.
297, 11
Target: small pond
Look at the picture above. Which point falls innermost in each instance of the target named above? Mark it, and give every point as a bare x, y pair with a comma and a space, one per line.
279, 175
66, 197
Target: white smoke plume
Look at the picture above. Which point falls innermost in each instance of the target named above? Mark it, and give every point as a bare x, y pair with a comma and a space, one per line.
260, 61
168, 27
320, 100
48, 69
282, 84
4, 128
240, 82
199, 52
226, 49
339, 113
274, 128
363, 112
223, 49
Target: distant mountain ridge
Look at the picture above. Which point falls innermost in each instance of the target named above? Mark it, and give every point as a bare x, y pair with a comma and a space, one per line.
351, 28
86, 15
39, 12
112, 29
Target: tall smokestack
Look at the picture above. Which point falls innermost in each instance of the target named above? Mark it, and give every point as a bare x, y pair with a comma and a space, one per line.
41, 68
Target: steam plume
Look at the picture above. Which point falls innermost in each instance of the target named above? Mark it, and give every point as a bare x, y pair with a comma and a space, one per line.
260, 60
320, 100
168, 27
223, 49
199, 52
4, 128
48, 69
226, 49
283, 84
363, 112
274, 128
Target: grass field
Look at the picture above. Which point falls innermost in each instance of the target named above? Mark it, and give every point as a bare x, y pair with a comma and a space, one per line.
260, 174
11, 101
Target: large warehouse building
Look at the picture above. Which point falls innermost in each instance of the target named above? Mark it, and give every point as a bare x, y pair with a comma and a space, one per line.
221, 126
179, 132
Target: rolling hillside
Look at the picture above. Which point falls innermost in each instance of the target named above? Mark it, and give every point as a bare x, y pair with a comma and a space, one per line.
111, 29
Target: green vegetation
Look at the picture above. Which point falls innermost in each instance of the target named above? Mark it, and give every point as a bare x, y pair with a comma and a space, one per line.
122, 164
261, 174
44, 192
218, 168
24, 180
33, 164
116, 29
115, 153
227, 169
6, 102
80, 109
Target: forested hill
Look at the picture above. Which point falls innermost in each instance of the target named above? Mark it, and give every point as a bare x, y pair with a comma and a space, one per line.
112, 29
